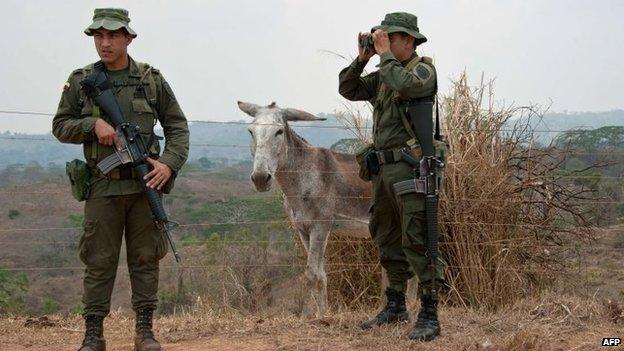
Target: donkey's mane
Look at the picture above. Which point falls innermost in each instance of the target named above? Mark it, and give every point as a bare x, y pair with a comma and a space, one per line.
297, 139
300, 141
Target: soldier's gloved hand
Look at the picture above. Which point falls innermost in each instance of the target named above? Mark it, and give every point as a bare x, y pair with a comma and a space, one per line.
105, 133
362, 54
159, 175
381, 41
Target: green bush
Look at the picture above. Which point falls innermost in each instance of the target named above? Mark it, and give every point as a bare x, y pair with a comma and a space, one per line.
74, 220
50, 306
13, 286
14, 214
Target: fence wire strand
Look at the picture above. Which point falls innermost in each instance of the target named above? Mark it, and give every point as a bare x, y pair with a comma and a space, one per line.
32, 113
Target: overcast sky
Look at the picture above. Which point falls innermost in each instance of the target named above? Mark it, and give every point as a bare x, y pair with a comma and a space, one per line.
216, 52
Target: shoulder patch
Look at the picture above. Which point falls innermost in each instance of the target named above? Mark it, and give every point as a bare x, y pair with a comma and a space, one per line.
66, 86
422, 71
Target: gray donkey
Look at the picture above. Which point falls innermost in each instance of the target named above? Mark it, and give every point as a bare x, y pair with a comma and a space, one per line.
320, 187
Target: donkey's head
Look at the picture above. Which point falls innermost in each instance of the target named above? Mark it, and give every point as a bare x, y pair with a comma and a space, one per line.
270, 136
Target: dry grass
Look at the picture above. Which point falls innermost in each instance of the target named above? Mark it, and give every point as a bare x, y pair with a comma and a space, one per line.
547, 324
353, 287
504, 211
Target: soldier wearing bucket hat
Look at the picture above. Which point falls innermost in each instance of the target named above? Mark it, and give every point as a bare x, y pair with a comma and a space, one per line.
110, 19
116, 203
397, 223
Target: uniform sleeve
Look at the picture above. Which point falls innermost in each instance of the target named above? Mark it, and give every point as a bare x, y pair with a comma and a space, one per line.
352, 86
68, 126
175, 127
417, 83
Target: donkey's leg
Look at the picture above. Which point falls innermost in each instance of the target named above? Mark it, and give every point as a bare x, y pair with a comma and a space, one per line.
302, 295
315, 270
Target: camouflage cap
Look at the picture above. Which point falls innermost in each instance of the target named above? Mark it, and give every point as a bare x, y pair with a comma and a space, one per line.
111, 19
401, 22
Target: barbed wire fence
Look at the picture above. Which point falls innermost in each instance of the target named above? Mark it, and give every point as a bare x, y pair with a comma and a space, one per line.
8, 234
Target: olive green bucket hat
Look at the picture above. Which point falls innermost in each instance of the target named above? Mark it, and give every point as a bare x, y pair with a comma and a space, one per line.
111, 19
401, 22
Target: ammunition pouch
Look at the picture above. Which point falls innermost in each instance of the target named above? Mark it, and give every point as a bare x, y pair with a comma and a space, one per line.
367, 161
80, 179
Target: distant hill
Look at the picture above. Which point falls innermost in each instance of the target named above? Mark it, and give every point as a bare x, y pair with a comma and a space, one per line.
588, 120
229, 141
219, 141
551, 125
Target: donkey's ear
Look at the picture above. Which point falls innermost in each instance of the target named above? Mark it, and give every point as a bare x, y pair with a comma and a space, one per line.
292, 114
249, 108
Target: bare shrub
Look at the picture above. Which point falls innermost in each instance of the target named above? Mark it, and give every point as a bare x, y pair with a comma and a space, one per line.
505, 212
356, 117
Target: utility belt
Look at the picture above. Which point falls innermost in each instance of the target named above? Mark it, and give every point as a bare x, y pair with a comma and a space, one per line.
390, 156
371, 160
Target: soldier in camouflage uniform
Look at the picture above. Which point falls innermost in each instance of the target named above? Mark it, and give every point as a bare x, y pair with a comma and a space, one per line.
397, 223
117, 203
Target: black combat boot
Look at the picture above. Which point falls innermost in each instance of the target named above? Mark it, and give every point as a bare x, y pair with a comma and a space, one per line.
394, 311
94, 334
144, 339
427, 326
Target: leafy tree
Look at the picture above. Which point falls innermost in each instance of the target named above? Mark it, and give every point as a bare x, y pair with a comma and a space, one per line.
205, 163
592, 140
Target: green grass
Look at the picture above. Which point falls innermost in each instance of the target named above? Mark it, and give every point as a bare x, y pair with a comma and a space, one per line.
74, 220
13, 287
235, 210
239, 209
50, 306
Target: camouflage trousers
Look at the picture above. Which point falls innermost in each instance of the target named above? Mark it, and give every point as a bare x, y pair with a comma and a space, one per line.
398, 227
106, 220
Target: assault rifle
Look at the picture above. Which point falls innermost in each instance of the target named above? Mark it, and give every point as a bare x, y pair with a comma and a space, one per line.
429, 181
133, 151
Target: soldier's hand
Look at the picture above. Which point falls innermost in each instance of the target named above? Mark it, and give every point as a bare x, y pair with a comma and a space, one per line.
105, 133
381, 41
159, 175
364, 55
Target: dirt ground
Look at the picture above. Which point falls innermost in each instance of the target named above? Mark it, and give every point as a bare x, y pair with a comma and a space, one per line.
550, 323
